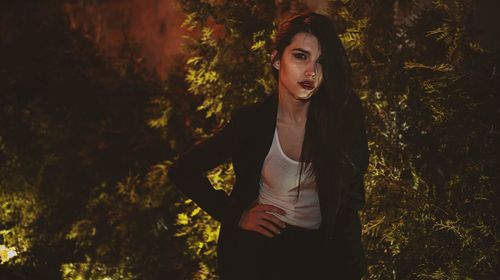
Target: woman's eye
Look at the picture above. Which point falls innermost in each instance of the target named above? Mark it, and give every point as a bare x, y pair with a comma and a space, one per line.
300, 56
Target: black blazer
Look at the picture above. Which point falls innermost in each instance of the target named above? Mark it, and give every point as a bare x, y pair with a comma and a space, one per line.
246, 140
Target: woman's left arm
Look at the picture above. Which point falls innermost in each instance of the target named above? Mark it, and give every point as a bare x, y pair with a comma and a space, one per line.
357, 154
348, 225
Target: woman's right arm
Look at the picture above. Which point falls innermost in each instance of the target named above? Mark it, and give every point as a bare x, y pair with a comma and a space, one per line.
187, 172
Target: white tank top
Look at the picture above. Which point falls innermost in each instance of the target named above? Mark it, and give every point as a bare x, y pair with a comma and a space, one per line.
279, 186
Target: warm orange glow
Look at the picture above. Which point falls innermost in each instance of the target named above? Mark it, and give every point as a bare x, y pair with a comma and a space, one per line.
153, 25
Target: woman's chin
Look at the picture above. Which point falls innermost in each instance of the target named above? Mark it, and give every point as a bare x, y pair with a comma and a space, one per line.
304, 96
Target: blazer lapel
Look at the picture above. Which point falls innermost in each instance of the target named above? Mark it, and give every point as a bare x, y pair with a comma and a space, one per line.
266, 128
262, 137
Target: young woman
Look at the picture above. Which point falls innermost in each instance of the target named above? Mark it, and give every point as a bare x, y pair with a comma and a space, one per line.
299, 159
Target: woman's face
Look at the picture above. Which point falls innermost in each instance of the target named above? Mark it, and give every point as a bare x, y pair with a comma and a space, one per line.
300, 71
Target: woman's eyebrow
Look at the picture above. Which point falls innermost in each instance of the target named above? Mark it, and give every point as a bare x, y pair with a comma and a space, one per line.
301, 50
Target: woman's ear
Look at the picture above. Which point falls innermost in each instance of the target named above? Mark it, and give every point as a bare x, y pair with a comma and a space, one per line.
276, 65
276, 62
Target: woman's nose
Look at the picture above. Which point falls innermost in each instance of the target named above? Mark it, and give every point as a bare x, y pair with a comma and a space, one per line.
310, 71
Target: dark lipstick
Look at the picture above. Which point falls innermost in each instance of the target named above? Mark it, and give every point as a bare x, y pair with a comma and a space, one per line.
307, 85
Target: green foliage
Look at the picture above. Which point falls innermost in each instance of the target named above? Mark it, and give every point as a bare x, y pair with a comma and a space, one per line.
74, 135
228, 62
83, 188
20, 211
430, 185
114, 242
200, 230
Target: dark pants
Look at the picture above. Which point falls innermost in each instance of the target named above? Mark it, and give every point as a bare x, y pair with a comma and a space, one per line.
294, 254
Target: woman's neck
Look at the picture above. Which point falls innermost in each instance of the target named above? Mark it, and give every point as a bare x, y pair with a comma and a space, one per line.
292, 111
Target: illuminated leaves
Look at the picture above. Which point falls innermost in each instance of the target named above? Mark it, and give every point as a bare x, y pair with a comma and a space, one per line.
443, 67
259, 41
7, 253
227, 71
89, 269
162, 109
82, 232
199, 228
18, 213
440, 33
182, 219
353, 38
118, 224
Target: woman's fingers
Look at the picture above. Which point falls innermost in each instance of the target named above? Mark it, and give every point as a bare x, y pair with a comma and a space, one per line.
260, 219
269, 226
269, 208
274, 219
262, 231
265, 209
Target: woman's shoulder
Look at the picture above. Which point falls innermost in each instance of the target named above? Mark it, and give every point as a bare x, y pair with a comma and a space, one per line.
254, 112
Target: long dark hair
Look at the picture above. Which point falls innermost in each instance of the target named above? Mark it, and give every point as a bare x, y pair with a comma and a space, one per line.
323, 138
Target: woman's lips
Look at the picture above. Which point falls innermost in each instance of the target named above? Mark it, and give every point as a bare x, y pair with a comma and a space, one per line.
307, 85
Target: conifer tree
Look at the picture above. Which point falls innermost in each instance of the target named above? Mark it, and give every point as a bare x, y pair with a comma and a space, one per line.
78, 136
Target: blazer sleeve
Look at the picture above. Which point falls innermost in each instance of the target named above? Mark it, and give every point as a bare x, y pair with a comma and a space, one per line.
188, 172
358, 156
351, 258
